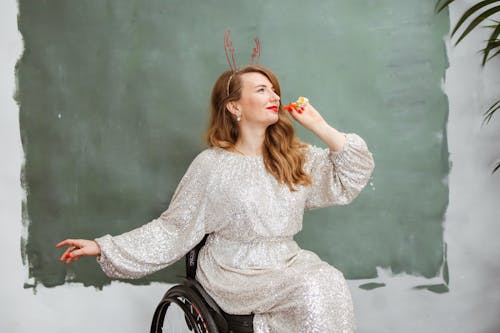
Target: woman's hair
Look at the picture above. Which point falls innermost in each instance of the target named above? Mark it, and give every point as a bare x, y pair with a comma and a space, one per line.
284, 154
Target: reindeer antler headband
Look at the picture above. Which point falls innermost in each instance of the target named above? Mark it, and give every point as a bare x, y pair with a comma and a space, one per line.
229, 50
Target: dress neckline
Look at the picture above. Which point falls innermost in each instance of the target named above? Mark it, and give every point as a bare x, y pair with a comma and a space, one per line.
239, 155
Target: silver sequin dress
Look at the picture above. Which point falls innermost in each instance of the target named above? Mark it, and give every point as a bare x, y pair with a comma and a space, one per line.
250, 262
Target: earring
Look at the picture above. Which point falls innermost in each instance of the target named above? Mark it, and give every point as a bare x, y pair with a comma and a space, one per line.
238, 117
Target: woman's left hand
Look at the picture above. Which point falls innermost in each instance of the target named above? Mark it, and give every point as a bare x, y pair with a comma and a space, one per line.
78, 248
311, 119
307, 116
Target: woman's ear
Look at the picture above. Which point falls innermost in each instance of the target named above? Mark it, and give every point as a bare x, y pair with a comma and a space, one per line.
233, 108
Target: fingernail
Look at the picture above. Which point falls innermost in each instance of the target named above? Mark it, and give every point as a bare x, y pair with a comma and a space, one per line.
67, 255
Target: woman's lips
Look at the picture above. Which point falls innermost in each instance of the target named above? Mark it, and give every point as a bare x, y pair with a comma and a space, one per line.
273, 108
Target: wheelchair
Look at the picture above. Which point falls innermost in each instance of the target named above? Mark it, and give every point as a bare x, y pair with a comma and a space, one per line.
201, 313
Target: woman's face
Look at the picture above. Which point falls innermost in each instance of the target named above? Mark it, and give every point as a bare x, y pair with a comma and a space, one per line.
259, 104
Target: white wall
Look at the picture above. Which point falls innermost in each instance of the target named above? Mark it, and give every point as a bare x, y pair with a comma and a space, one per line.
472, 225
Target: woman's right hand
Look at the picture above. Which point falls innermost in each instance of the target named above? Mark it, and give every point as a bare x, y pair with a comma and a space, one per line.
78, 248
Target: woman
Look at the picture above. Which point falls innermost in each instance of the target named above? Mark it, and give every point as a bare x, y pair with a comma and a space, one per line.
249, 191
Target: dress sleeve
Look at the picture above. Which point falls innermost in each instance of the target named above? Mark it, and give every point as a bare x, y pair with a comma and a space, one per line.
338, 177
166, 239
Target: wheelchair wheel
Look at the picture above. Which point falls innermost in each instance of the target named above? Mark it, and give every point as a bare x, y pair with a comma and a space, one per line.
196, 313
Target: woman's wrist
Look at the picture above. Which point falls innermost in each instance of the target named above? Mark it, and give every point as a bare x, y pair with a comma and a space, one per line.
97, 252
320, 128
334, 139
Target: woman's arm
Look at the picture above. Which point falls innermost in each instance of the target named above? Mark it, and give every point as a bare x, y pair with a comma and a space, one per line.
334, 139
162, 241
311, 119
340, 172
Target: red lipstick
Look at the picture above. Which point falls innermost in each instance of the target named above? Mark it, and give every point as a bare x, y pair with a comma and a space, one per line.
273, 108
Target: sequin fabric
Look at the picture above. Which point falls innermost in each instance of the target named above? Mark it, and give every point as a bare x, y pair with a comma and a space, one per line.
251, 263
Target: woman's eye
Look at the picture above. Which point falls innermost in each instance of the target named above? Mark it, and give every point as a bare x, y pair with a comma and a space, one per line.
261, 90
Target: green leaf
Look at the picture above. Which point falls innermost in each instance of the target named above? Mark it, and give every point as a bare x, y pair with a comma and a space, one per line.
489, 113
445, 3
493, 25
497, 167
476, 21
471, 11
496, 53
489, 47
492, 43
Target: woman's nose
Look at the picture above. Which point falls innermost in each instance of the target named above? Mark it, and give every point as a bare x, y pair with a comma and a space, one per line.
275, 96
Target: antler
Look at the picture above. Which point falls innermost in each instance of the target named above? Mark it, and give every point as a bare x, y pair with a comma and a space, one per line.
256, 51
228, 46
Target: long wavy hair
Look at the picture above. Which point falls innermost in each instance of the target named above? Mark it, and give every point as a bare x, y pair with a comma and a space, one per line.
283, 153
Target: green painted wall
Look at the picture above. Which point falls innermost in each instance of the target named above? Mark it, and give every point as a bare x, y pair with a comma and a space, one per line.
114, 102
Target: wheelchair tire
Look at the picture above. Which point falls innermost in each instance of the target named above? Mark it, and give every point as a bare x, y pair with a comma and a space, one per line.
196, 313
